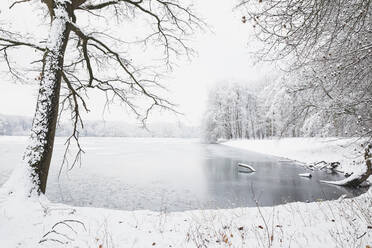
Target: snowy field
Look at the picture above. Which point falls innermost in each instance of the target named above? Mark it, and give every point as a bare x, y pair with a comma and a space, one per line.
36, 222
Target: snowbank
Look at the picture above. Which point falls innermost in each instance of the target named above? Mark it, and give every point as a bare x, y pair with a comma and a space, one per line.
38, 223
309, 150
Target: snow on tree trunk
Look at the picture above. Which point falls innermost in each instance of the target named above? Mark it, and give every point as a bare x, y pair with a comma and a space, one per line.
38, 153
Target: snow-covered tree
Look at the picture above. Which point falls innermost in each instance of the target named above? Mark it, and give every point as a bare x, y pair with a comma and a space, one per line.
328, 48
87, 49
232, 113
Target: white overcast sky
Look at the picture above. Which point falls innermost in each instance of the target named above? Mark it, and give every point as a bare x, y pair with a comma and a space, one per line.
223, 54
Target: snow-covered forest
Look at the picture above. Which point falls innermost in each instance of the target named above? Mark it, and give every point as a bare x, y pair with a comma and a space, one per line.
326, 89
234, 111
282, 108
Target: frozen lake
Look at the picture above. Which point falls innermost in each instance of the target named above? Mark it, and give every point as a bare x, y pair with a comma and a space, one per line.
171, 175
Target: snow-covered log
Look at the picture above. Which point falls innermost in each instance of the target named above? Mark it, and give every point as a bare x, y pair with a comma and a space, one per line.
305, 175
246, 166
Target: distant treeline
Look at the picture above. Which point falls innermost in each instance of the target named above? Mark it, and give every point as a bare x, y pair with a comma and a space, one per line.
21, 125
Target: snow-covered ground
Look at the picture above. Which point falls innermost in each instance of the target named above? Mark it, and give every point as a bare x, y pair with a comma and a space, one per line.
347, 151
38, 223
35, 222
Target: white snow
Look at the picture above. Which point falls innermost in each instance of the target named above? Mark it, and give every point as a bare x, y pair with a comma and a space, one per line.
307, 150
310, 151
247, 167
35, 222
305, 175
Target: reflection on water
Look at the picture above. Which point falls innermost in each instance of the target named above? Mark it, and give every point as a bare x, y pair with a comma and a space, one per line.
177, 174
276, 181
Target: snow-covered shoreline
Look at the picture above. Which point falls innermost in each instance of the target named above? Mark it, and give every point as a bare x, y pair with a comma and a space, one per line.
36, 222
308, 150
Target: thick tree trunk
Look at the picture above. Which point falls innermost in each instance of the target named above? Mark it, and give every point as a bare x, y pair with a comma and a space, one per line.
39, 151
